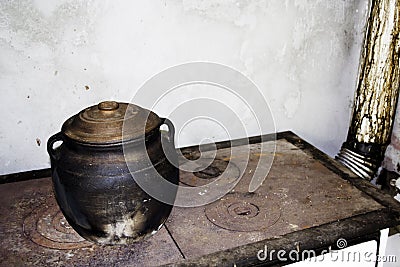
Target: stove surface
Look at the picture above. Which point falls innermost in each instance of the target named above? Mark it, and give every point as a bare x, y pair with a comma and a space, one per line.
34, 233
304, 191
298, 193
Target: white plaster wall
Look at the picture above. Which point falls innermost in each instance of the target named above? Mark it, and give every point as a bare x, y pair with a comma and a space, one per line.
392, 155
302, 54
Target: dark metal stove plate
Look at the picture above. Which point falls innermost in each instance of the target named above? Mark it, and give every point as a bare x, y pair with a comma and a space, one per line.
298, 193
306, 201
33, 232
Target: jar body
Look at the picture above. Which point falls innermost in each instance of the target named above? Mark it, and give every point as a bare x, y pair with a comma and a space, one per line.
97, 192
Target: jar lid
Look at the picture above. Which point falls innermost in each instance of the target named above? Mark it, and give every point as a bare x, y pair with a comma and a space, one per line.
104, 123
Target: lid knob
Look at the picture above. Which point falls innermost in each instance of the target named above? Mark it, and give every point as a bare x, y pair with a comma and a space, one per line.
108, 105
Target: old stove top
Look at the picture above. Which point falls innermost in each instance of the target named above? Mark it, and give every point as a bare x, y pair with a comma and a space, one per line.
307, 201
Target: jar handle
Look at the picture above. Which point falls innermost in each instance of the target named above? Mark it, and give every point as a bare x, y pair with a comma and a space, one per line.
171, 129
57, 137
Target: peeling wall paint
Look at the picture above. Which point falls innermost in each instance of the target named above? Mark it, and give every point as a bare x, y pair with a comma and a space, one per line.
58, 57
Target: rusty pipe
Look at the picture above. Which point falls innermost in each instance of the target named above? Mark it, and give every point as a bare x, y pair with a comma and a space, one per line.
377, 91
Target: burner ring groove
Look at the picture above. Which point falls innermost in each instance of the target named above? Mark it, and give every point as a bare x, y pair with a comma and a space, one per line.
47, 227
243, 212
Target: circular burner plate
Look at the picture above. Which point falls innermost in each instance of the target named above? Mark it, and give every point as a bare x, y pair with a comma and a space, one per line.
208, 174
243, 212
47, 227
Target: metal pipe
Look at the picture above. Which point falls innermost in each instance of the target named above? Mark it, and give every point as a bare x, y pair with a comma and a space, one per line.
376, 93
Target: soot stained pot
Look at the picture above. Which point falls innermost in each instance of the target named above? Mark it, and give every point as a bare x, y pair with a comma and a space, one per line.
93, 185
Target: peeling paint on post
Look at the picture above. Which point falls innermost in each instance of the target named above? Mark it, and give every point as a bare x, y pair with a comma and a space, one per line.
377, 91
